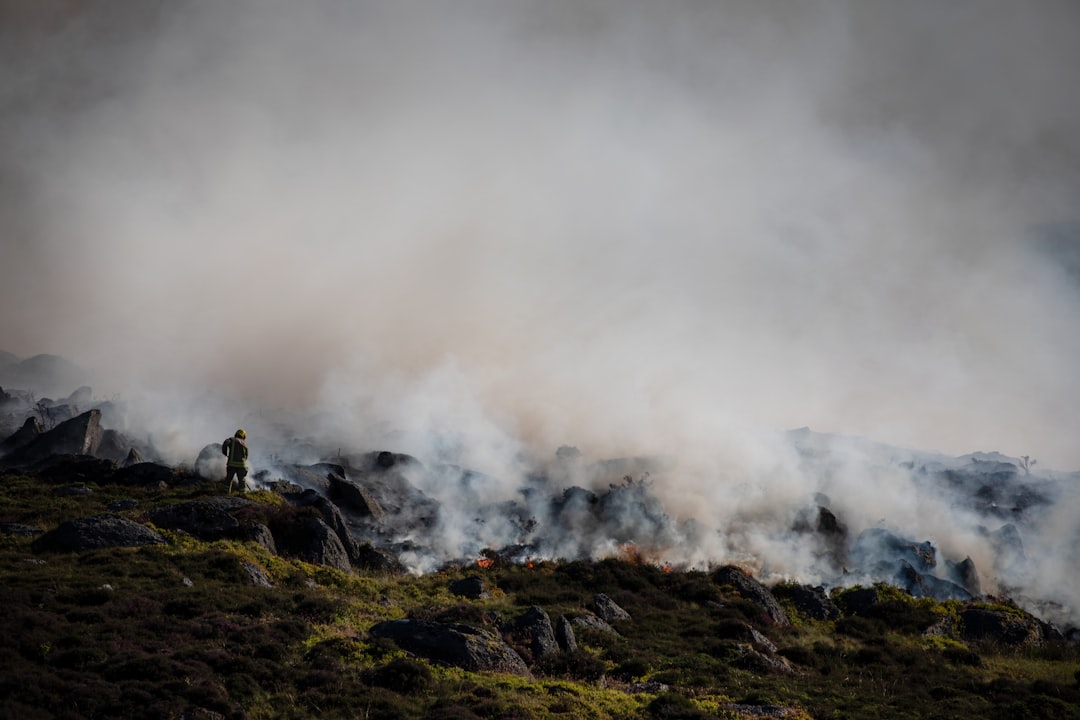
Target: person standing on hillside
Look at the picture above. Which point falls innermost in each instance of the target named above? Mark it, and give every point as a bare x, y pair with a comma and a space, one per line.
236, 467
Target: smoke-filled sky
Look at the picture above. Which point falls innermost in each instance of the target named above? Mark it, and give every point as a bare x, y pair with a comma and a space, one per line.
633, 227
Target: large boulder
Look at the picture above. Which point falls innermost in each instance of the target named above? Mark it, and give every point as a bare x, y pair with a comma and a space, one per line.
210, 462
79, 436
22, 437
209, 520
750, 589
608, 609
320, 545
533, 627
1005, 626
455, 644
99, 531
354, 497
811, 601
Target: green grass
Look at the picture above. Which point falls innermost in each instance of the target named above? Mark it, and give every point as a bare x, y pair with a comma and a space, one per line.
163, 630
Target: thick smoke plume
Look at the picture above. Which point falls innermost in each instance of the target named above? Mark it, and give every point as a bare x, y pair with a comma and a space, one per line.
478, 231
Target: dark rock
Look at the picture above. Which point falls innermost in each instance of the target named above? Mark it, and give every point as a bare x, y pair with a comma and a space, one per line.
534, 626
78, 436
470, 587
134, 457
592, 622
879, 553
860, 601
261, 534
100, 531
332, 516
19, 529
354, 497
608, 610
372, 558
115, 446
564, 635
750, 658
964, 574
750, 589
123, 504
458, 645
1007, 626
73, 469
23, 436
74, 491
321, 545
811, 601
919, 585
208, 520
257, 575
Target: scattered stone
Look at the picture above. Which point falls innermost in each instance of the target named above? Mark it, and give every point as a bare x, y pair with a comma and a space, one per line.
564, 635
186, 582
458, 645
470, 587
261, 535
354, 497
74, 491
608, 610
534, 625
749, 658
592, 622
257, 575
99, 531
123, 504
813, 602
321, 545
1010, 626
205, 519
80, 435
750, 589
919, 585
23, 436
19, 530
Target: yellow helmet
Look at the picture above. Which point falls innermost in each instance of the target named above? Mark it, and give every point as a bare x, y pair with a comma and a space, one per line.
241, 434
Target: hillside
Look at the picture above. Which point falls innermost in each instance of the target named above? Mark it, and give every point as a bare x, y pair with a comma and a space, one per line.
227, 628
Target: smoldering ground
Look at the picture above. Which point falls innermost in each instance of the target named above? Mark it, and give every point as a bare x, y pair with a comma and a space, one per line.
483, 230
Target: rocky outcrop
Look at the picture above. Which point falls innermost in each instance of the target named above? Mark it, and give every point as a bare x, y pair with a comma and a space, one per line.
471, 587
564, 635
354, 497
208, 520
455, 644
608, 609
811, 601
750, 589
99, 531
22, 437
79, 436
1006, 626
320, 545
589, 621
533, 628
256, 575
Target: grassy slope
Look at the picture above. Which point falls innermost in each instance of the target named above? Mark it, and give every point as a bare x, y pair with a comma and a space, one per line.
175, 629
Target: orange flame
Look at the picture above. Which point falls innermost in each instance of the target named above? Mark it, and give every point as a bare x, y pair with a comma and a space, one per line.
485, 562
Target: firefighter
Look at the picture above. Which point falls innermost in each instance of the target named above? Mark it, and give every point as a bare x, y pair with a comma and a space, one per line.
236, 450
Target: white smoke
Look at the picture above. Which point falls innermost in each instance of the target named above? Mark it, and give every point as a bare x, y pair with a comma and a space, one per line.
479, 231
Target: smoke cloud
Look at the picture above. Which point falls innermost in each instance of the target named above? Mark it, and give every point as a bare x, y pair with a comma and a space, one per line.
482, 230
